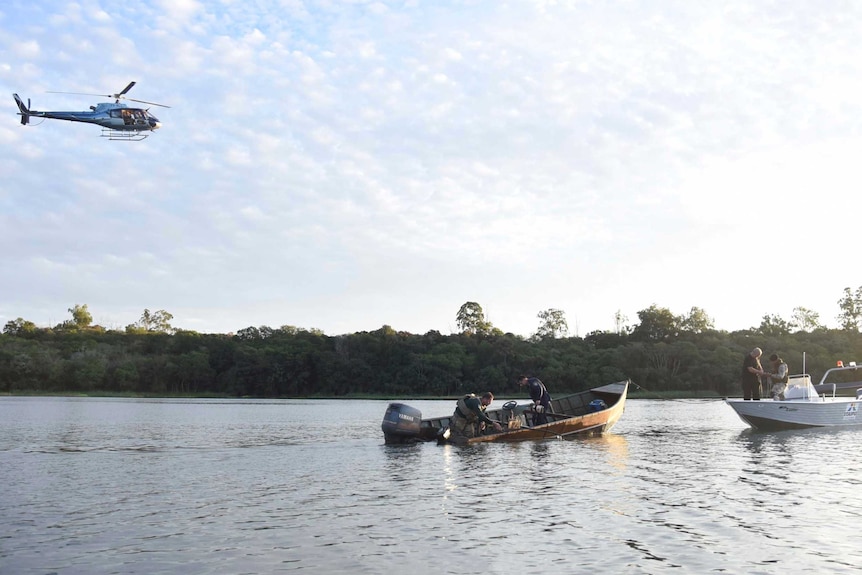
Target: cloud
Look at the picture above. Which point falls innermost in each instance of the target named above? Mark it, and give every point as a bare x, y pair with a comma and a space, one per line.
352, 164
177, 13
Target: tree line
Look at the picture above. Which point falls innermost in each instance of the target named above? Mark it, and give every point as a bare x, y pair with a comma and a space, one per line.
662, 352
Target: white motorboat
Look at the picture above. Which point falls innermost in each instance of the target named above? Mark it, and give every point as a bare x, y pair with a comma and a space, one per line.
801, 407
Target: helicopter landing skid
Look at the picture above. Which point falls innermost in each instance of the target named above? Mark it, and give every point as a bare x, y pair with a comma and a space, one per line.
124, 135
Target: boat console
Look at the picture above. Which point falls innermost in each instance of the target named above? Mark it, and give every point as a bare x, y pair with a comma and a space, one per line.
800, 387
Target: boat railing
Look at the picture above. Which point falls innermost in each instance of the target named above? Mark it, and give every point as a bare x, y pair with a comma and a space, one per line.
841, 377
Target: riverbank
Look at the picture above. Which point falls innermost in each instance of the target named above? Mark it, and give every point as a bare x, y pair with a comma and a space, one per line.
634, 394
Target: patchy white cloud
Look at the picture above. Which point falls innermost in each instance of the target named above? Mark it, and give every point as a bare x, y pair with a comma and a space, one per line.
177, 13
389, 154
27, 50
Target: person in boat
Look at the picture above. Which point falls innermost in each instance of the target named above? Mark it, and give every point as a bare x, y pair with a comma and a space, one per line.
540, 396
469, 419
778, 377
751, 373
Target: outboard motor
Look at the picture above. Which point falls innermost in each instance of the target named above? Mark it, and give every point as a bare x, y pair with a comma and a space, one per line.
401, 423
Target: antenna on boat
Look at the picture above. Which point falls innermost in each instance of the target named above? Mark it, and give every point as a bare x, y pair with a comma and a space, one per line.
803, 363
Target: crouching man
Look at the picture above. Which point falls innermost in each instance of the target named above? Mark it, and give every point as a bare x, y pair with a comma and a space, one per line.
469, 419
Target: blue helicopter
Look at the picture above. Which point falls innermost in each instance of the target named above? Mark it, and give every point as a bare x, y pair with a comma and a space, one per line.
118, 121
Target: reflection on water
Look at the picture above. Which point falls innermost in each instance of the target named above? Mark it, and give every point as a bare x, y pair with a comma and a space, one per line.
128, 486
616, 449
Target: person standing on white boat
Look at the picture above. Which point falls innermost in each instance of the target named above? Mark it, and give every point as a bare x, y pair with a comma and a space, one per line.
778, 377
751, 373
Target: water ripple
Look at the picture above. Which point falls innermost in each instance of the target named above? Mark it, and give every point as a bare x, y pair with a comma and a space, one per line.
262, 487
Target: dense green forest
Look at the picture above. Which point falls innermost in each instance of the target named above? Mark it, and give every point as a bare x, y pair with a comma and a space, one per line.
661, 353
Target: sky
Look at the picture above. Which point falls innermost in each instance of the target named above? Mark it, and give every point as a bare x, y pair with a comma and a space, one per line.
345, 165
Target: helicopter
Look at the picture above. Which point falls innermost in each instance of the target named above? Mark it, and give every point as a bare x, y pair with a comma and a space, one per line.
118, 121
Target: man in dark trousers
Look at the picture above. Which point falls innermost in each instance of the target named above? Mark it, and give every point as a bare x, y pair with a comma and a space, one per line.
751, 372
540, 396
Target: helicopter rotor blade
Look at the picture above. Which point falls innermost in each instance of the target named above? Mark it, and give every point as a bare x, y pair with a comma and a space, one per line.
82, 94
117, 97
145, 102
126, 89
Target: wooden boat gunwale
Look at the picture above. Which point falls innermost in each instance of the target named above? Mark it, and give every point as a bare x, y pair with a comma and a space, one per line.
571, 416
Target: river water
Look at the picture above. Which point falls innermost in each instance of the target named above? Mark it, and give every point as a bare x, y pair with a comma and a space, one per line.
136, 486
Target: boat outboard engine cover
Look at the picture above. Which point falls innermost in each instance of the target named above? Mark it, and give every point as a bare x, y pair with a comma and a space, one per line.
401, 423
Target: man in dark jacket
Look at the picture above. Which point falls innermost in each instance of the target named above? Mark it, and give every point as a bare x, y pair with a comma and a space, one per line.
751, 372
540, 396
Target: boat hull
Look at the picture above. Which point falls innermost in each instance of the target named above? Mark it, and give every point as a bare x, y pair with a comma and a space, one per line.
571, 416
771, 415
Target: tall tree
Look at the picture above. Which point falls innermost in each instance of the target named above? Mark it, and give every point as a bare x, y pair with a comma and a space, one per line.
657, 324
773, 325
19, 326
697, 321
159, 322
81, 316
249, 333
553, 324
471, 319
806, 320
620, 320
851, 309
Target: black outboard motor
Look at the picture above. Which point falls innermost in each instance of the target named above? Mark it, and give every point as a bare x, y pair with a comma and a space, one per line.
401, 423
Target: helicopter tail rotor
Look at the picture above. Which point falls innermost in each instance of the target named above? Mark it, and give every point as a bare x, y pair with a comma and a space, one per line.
25, 110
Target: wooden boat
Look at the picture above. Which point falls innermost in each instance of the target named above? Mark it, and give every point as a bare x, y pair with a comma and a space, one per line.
801, 407
841, 380
591, 412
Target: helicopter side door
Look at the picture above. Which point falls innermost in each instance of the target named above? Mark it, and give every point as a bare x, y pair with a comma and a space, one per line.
121, 118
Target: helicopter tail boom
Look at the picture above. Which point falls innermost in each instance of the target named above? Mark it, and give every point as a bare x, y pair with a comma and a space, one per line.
25, 111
